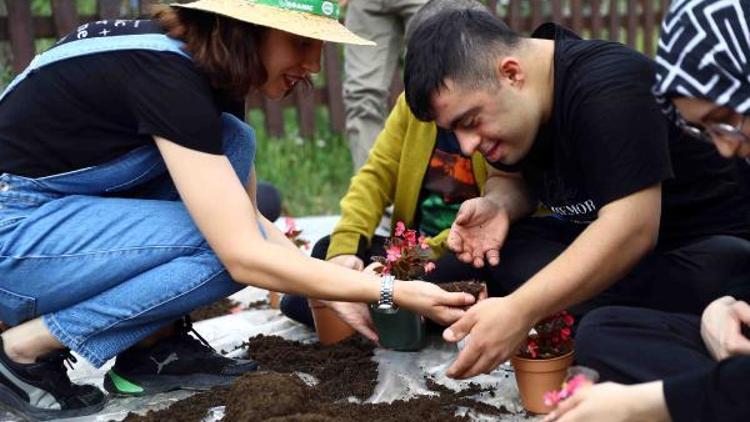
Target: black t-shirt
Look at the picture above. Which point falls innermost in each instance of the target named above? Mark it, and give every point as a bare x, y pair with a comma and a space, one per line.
87, 110
607, 139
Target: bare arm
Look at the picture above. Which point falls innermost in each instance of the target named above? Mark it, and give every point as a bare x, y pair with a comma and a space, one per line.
509, 192
624, 231
221, 209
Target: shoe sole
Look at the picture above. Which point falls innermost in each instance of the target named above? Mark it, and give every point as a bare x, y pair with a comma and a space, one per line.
17, 405
143, 385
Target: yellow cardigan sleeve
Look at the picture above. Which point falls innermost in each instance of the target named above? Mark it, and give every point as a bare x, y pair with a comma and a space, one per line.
372, 189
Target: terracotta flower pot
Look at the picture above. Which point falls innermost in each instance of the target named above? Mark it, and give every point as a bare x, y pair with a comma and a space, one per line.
538, 376
274, 299
403, 331
329, 327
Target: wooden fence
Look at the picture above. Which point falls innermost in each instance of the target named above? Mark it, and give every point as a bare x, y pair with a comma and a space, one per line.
633, 22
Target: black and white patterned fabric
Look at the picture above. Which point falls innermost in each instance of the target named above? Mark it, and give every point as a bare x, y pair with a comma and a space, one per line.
704, 52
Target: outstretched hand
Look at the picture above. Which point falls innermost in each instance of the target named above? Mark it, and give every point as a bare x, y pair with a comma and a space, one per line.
478, 232
497, 327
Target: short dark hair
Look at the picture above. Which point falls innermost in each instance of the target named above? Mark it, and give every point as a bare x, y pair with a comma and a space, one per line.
460, 45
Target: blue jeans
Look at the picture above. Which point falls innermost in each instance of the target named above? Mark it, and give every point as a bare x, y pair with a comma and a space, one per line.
109, 254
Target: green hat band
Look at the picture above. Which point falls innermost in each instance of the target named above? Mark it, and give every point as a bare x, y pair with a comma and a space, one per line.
325, 8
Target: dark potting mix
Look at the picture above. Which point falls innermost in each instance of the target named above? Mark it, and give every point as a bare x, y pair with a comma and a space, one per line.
343, 375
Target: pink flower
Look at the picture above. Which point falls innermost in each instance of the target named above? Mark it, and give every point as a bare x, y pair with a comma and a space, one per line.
393, 254
423, 243
290, 226
551, 398
400, 229
411, 238
569, 320
429, 267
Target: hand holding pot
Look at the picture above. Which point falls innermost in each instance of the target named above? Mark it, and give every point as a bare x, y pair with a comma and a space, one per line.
357, 315
431, 301
497, 327
479, 231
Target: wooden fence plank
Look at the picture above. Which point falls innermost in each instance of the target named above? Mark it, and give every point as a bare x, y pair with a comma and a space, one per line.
557, 15
65, 16
492, 5
274, 117
597, 23
109, 9
632, 27
614, 20
649, 26
305, 102
20, 33
576, 11
334, 97
536, 13
514, 15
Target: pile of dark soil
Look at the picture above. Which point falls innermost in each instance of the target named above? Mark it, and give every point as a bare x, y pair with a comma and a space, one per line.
191, 409
223, 307
284, 397
343, 370
216, 309
472, 287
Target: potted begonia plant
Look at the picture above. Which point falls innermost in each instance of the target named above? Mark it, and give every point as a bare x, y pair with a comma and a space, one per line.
407, 258
543, 360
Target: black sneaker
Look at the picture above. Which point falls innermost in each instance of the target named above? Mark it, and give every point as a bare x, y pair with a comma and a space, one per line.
42, 390
179, 361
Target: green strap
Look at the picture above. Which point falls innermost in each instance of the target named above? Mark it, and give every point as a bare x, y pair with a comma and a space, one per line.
325, 8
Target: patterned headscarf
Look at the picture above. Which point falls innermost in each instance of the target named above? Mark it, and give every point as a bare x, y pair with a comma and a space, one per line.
704, 52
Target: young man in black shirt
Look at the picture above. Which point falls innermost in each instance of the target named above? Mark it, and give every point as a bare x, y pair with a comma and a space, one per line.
571, 123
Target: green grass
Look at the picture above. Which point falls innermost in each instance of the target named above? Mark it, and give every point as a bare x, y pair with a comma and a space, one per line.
312, 174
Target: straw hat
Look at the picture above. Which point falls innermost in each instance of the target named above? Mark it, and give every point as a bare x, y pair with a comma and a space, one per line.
309, 18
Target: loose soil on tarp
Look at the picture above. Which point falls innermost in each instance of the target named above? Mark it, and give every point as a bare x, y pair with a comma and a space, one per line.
216, 309
194, 408
277, 392
224, 307
472, 287
342, 370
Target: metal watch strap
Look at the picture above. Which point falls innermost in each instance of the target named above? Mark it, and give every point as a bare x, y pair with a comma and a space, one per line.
386, 294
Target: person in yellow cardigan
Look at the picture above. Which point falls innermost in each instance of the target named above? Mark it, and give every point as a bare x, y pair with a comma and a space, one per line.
419, 169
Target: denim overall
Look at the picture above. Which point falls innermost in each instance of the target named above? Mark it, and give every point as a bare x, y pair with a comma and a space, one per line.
105, 267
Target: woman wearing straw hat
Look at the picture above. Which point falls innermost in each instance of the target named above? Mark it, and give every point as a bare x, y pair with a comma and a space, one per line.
127, 199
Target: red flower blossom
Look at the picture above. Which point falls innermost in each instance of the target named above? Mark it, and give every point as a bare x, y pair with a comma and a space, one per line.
551, 337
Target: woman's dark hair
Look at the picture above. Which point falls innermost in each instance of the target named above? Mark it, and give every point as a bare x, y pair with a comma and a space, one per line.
226, 49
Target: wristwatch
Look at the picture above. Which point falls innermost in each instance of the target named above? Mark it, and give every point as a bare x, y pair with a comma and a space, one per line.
385, 304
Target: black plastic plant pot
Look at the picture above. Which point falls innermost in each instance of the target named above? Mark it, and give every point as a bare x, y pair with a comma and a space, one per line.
403, 331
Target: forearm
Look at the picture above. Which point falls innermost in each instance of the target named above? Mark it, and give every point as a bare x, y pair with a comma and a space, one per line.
602, 254
274, 266
509, 191
274, 234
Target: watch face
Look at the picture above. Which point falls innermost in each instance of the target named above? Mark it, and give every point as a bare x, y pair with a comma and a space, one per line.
386, 308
